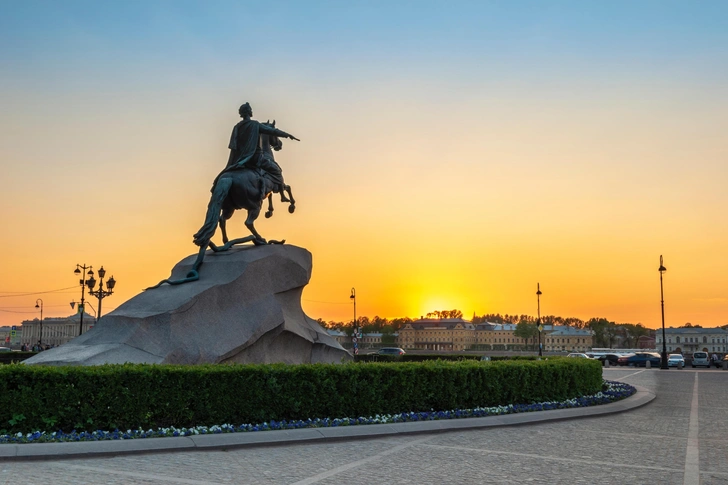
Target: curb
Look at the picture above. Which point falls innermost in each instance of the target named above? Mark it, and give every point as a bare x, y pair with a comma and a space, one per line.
88, 449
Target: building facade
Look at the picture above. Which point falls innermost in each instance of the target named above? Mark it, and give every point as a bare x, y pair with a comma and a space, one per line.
447, 334
372, 340
689, 340
56, 331
457, 334
561, 338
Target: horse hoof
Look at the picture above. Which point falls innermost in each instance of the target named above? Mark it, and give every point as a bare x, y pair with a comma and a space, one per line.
291, 208
260, 242
268, 214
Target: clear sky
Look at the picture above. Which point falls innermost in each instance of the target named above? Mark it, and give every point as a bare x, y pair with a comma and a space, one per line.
452, 155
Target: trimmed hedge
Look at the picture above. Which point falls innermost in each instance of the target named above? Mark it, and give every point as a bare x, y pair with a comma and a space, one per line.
39, 398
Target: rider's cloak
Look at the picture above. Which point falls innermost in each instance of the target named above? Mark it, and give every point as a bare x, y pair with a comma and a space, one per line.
243, 142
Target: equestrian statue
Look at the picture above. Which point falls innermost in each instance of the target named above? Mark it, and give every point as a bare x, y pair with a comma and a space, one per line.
250, 177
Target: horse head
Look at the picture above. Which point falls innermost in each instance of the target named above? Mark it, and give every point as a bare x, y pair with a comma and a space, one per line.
275, 142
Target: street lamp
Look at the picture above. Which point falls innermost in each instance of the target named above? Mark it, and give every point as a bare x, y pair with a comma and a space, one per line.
663, 360
355, 339
40, 340
100, 293
538, 319
82, 282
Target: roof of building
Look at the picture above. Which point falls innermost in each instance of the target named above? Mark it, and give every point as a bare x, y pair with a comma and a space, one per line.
73, 318
339, 333
694, 330
566, 331
444, 323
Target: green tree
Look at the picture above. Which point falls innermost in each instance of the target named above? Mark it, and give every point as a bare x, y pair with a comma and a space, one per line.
526, 330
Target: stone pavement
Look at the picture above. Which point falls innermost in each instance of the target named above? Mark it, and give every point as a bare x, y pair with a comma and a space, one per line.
679, 438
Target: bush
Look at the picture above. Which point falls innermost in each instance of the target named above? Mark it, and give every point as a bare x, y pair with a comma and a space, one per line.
148, 396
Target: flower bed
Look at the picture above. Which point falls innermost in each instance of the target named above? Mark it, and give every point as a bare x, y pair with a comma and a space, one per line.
614, 391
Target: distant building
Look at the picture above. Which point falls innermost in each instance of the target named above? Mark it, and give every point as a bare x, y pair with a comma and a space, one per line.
646, 342
372, 340
564, 338
56, 330
455, 334
448, 334
680, 340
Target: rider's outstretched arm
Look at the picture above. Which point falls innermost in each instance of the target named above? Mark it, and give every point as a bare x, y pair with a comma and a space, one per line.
267, 130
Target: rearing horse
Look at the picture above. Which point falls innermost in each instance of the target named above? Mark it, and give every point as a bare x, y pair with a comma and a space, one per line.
240, 188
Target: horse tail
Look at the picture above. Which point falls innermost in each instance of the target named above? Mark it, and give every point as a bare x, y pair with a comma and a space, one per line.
219, 192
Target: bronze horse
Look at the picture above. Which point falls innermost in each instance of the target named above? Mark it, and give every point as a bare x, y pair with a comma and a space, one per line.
234, 189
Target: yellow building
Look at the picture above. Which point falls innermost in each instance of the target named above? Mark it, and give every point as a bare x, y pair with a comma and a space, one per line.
457, 334
449, 334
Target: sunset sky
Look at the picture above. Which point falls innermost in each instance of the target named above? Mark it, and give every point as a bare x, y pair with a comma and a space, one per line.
452, 154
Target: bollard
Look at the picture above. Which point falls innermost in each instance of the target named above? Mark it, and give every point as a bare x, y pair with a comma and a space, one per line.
680, 364
648, 365
725, 365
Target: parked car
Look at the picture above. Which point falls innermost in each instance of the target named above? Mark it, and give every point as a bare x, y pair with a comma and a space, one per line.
640, 359
578, 355
701, 359
673, 360
613, 359
5, 349
622, 359
391, 351
719, 363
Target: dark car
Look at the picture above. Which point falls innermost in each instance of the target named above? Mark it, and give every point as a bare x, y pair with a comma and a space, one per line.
390, 351
640, 359
719, 363
613, 359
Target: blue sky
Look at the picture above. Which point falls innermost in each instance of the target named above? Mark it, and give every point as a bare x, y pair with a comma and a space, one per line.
534, 136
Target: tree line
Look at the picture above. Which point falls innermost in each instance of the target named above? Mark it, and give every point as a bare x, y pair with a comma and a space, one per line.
606, 333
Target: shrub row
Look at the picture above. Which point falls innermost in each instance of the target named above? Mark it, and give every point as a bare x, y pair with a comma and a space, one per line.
148, 396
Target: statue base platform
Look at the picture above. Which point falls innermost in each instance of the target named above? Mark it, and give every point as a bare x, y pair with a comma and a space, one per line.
245, 308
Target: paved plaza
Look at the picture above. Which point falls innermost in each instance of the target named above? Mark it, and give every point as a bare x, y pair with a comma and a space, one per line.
678, 438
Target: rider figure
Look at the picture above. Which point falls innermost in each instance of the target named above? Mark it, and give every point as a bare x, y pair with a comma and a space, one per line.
244, 145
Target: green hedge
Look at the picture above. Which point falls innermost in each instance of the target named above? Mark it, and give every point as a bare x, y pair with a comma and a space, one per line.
148, 396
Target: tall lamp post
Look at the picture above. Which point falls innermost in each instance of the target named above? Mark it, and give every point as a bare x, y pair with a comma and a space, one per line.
538, 319
101, 293
663, 360
40, 340
355, 338
82, 282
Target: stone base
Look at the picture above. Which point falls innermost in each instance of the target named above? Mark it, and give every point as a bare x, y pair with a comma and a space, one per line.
246, 308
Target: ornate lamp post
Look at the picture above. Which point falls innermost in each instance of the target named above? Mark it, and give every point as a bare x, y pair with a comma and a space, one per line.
663, 360
40, 340
101, 293
82, 282
355, 338
538, 319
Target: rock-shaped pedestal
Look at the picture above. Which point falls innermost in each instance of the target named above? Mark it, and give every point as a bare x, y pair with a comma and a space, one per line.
246, 308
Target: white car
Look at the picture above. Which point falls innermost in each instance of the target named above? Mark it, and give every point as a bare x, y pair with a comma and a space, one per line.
673, 360
578, 355
701, 358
